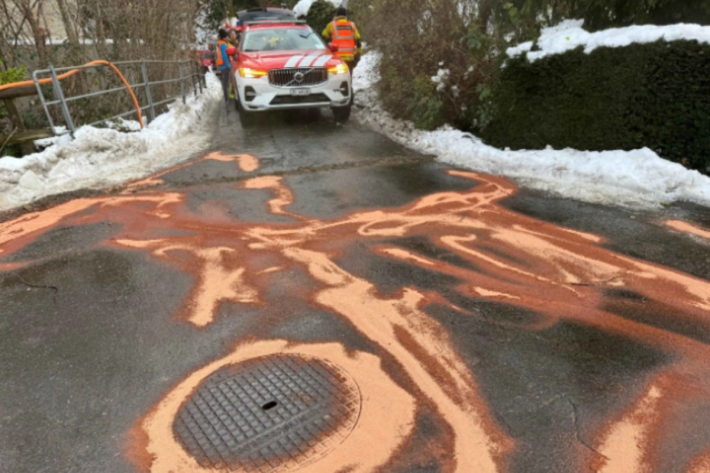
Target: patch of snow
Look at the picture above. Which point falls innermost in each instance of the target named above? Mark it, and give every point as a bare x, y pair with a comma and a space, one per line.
520, 49
124, 125
367, 72
469, 71
303, 6
628, 178
60, 138
101, 157
441, 79
570, 35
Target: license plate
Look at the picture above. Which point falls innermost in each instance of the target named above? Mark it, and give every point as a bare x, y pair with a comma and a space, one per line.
300, 92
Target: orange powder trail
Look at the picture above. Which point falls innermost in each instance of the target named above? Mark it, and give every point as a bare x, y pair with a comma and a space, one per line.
631, 442
283, 197
38, 222
220, 277
688, 228
18, 233
559, 274
478, 445
700, 464
404, 255
623, 446
561, 269
246, 163
561, 278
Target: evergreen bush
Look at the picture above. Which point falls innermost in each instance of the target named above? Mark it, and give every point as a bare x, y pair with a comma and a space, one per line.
653, 95
320, 14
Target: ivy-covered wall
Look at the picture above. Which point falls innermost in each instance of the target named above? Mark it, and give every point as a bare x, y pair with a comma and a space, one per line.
645, 95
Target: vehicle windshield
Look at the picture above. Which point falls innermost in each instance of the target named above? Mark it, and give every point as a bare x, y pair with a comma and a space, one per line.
281, 39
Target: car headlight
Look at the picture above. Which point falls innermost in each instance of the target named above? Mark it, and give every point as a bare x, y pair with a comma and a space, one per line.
248, 73
339, 69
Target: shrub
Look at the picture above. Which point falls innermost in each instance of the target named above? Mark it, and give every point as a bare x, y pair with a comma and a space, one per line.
421, 39
320, 14
644, 95
13, 74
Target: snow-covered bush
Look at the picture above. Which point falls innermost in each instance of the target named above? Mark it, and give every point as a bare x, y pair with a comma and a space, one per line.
654, 95
471, 37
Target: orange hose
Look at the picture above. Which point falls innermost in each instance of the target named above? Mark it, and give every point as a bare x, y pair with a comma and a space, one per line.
76, 71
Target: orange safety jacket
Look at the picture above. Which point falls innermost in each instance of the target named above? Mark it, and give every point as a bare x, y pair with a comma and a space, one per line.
220, 59
344, 37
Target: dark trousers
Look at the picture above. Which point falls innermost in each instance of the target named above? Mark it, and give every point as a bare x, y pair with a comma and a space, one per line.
226, 78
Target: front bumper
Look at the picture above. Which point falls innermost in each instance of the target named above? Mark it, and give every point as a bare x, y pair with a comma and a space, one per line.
258, 95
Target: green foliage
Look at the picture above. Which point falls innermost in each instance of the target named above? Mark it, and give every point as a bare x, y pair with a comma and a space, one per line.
601, 14
216, 11
644, 95
14, 74
320, 14
416, 40
361, 11
427, 106
9, 76
525, 18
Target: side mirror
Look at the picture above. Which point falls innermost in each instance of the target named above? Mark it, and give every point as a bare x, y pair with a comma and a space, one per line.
334, 47
231, 51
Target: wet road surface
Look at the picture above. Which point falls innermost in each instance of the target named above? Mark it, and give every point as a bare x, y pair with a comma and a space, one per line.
465, 325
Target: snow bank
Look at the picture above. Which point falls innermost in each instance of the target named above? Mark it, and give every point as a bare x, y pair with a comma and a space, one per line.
367, 73
101, 157
303, 6
569, 35
635, 178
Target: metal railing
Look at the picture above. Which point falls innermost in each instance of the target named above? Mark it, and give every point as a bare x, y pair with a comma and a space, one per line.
195, 77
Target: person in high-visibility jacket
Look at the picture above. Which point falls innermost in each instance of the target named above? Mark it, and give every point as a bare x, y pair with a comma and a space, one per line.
224, 64
344, 33
233, 41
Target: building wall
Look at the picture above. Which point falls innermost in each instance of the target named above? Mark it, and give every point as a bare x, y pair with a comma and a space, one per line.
50, 19
53, 20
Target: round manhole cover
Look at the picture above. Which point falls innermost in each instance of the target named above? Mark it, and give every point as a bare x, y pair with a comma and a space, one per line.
268, 414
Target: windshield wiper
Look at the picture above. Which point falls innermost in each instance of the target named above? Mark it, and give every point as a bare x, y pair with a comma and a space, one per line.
308, 35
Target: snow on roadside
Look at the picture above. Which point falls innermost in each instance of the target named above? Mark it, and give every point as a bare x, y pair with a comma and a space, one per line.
101, 157
570, 35
629, 178
367, 72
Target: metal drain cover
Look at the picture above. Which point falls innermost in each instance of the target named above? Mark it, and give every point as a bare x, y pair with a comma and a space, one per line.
269, 414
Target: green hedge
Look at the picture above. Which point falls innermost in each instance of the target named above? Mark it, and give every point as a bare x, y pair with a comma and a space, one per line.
320, 14
645, 95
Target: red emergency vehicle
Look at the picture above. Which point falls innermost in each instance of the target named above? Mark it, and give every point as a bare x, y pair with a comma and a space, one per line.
286, 65
204, 58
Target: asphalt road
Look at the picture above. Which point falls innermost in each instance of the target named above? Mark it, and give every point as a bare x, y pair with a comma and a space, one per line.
481, 328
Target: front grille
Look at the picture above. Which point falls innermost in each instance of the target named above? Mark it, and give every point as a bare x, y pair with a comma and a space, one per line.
308, 77
294, 100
